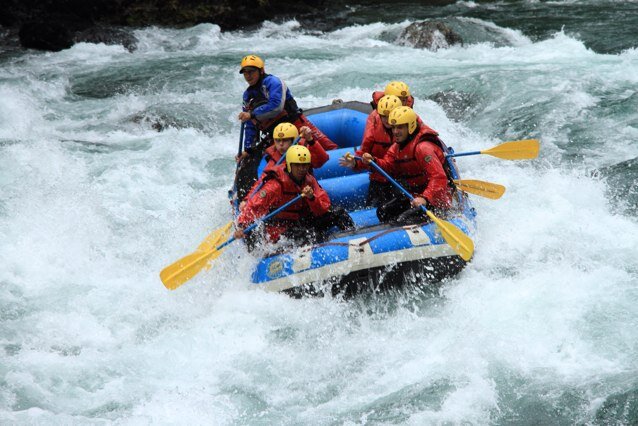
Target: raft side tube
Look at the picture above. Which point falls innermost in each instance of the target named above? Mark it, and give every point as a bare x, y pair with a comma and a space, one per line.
365, 218
364, 107
425, 274
330, 169
344, 123
344, 127
348, 253
349, 192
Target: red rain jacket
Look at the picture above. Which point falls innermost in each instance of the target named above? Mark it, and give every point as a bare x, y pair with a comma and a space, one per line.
418, 166
278, 189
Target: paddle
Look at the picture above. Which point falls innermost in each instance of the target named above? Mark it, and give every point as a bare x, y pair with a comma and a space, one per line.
188, 266
482, 188
460, 243
240, 149
216, 237
514, 150
242, 130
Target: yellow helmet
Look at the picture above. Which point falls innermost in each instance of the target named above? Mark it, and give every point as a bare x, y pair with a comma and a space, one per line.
403, 115
285, 131
251, 61
387, 104
297, 154
397, 88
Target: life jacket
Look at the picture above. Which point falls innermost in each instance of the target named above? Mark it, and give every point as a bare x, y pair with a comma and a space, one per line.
290, 112
381, 137
432, 135
376, 97
376, 141
272, 155
289, 190
408, 171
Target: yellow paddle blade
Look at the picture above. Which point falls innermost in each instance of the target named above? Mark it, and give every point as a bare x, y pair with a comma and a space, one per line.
187, 267
216, 237
460, 243
515, 150
479, 187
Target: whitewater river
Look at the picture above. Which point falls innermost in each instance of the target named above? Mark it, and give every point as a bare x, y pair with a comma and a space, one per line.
115, 164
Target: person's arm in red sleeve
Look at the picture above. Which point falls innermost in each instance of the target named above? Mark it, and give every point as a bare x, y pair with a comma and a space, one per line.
260, 204
319, 203
318, 154
269, 166
367, 141
387, 163
252, 191
437, 192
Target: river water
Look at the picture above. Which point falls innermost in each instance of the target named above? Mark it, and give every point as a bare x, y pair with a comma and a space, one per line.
115, 164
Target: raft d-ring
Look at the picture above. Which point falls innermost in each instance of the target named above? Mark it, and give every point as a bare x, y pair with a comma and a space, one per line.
412, 228
301, 261
359, 250
417, 235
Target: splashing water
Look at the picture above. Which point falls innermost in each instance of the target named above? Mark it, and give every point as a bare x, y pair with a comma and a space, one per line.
540, 328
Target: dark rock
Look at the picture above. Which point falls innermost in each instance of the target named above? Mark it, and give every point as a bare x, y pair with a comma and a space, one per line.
107, 35
9, 40
45, 36
620, 408
622, 192
228, 14
431, 35
174, 115
54, 36
457, 105
56, 24
154, 123
52, 24
76, 14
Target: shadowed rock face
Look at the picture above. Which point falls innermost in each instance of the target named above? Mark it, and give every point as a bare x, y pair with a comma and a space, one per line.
107, 35
431, 35
457, 105
45, 35
53, 36
57, 24
622, 186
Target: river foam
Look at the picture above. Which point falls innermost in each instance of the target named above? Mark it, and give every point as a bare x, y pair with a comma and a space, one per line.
541, 325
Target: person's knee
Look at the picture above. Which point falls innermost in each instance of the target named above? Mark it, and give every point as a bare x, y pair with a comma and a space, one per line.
382, 213
386, 211
343, 219
300, 234
412, 216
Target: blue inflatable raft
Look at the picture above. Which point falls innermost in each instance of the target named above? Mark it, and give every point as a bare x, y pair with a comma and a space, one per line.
374, 256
